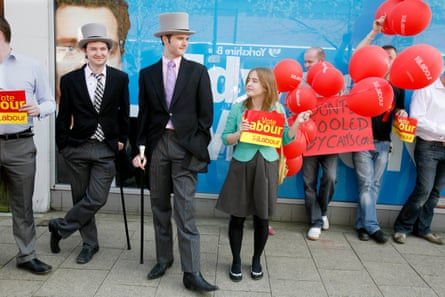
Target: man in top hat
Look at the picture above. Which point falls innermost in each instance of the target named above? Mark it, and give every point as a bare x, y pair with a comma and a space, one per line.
91, 127
174, 121
17, 148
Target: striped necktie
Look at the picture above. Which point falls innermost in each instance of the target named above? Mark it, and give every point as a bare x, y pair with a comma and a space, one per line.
98, 93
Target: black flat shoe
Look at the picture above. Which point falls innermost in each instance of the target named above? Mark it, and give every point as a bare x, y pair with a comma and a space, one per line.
235, 273
159, 270
195, 282
86, 254
363, 234
256, 274
35, 266
55, 237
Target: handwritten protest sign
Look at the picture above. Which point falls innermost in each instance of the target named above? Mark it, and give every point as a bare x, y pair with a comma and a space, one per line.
266, 128
405, 128
339, 130
10, 102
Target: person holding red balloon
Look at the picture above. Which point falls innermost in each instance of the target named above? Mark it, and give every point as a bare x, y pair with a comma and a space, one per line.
416, 215
316, 202
251, 185
370, 165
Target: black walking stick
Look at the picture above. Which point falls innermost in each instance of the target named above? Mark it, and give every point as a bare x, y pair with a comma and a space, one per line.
142, 155
124, 211
121, 159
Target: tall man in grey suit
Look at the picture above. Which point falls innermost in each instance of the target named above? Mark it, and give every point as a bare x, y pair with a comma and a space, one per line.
91, 127
17, 148
174, 121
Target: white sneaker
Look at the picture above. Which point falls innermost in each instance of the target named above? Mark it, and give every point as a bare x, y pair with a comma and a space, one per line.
314, 233
325, 223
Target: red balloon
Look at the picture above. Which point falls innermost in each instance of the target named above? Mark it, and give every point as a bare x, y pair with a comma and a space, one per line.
309, 130
296, 147
301, 99
288, 74
370, 96
368, 61
328, 82
384, 9
416, 67
294, 165
409, 18
314, 70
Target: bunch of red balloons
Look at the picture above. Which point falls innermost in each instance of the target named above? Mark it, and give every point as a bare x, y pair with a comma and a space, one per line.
415, 67
371, 94
404, 17
288, 75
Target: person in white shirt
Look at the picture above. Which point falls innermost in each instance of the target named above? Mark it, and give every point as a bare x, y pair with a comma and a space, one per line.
416, 215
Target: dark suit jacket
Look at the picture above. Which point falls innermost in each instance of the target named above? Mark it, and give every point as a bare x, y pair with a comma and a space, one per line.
191, 111
75, 104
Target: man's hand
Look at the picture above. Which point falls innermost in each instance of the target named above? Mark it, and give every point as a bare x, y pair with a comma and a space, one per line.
31, 109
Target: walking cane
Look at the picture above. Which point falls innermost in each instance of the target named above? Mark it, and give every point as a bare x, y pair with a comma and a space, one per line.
142, 155
124, 210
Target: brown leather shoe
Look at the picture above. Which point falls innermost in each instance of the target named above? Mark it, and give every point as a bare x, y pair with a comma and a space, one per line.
431, 237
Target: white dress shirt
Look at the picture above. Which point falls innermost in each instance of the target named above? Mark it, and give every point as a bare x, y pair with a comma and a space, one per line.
428, 107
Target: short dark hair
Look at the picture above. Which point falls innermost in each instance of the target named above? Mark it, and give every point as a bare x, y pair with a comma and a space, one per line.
389, 47
5, 29
119, 8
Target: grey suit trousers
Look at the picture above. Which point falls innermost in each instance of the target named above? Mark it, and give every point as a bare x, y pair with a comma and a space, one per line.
18, 163
92, 169
166, 176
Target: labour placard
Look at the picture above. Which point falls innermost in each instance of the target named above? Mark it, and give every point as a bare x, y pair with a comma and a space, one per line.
10, 103
266, 128
405, 128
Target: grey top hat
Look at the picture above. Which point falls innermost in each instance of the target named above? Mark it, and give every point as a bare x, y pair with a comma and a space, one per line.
174, 23
94, 32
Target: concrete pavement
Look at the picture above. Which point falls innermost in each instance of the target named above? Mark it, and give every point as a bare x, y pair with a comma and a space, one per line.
336, 265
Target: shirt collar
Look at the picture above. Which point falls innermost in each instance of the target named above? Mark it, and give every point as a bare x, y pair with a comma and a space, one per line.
165, 61
88, 71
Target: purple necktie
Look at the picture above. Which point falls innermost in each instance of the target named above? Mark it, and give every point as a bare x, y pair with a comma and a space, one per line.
170, 82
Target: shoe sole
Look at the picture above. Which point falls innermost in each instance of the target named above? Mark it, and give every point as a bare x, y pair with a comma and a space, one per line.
35, 272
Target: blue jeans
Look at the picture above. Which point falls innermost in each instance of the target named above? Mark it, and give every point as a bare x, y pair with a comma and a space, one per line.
369, 167
417, 212
317, 203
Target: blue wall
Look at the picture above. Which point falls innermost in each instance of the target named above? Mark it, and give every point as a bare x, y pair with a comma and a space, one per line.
233, 36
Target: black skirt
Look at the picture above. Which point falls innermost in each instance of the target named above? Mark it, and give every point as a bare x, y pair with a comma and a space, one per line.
250, 188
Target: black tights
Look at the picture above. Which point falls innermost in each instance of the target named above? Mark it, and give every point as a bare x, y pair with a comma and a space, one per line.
236, 226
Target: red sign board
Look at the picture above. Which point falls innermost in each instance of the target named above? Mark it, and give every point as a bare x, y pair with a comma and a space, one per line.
339, 130
10, 103
266, 128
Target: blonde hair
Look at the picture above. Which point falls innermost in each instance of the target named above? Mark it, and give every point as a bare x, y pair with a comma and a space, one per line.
268, 82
